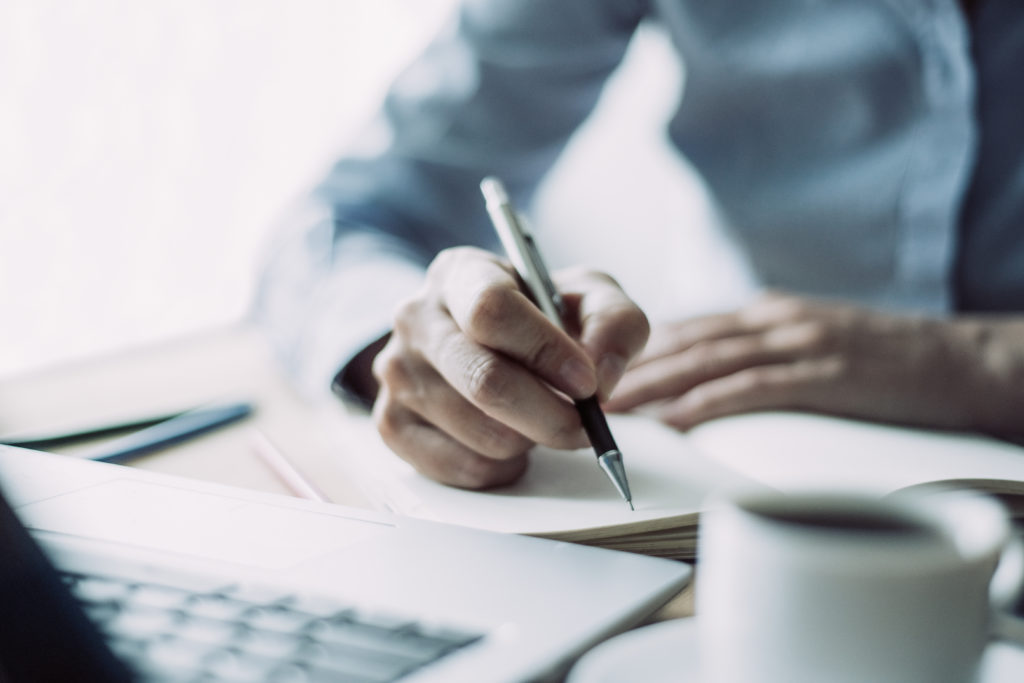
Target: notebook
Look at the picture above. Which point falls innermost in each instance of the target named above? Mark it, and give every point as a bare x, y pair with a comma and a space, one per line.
564, 495
126, 574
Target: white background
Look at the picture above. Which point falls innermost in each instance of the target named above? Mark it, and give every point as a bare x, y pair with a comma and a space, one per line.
146, 148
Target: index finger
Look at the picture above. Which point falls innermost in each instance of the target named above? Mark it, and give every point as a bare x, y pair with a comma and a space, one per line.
484, 299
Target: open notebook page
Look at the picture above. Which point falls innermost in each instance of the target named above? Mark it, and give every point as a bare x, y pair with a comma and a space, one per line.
562, 490
672, 474
793, 451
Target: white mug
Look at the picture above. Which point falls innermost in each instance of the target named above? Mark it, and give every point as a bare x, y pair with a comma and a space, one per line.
848, 589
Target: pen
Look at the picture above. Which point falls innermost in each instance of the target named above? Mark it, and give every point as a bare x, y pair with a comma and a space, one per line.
522, 252
183, 427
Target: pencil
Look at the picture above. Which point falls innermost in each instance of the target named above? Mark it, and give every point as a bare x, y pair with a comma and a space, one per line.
284, 469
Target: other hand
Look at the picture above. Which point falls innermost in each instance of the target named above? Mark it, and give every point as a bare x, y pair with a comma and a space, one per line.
473, 374
786, 352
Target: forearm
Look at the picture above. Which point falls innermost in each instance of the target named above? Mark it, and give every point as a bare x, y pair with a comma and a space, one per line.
322, 301
509, 86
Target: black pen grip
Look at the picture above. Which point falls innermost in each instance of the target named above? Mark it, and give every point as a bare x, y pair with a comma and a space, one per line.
595, 425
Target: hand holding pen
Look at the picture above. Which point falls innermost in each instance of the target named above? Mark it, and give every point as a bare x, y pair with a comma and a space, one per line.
536, 280
474, 374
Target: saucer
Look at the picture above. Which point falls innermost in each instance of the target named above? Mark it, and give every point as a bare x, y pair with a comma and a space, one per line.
659, 653
667, 652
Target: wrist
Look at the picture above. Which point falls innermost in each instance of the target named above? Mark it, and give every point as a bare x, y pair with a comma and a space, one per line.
995, 385
355, 382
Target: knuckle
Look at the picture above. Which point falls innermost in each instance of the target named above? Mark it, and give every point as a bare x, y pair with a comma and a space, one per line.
834, 368
504, 444
489, 309
388, 368
641, 323
544, 353
699, 397
751, 381
778, 307
486, 381
475, 473
406, 314
768, 385
565, 434
791, 308
600, 275
677, 414
479, 473
633, 323
816, 336
448, 260
497, 440
388, 423
444, 260
702, 356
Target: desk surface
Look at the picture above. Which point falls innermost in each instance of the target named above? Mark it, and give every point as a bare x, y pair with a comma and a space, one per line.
224, 364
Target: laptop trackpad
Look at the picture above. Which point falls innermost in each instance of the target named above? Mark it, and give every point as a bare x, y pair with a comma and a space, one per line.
180, 520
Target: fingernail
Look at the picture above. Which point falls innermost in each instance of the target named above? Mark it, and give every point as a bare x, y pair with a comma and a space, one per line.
610, 370
578, 377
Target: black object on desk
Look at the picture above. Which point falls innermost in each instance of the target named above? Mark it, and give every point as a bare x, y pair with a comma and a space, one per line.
183, 427
155, 434
43, 442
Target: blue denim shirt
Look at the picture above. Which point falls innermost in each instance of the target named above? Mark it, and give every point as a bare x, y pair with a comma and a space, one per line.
870, 150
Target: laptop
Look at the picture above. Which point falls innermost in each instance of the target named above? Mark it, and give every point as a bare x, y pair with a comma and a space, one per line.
109, 573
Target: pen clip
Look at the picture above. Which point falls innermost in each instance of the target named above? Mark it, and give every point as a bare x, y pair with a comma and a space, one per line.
538, 267
522, 251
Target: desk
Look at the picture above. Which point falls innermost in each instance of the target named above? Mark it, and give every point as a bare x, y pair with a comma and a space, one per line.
232, 363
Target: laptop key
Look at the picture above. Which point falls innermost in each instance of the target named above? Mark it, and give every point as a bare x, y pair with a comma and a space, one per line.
128, 648
101, 613
261, 596
456, 637
268, 643
317, 606
358, 635
293, 673
177, 653
237, 667
177, 635
142, 623
151, 673
344, 661
389, 622
315, 674
278, 618
217, 606
207, 631
95, 589
151, 595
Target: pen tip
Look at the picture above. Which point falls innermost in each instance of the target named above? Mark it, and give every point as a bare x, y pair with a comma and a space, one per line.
630, 503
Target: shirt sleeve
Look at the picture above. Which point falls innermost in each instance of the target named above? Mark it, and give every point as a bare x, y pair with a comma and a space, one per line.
499, 91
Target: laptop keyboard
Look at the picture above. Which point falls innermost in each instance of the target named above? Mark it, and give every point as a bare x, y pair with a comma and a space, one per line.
242, 634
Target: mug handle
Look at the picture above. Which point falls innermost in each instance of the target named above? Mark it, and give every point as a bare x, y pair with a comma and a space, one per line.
1007, 586
1006, 594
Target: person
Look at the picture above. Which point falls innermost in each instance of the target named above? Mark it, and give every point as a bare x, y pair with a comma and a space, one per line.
867, 154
